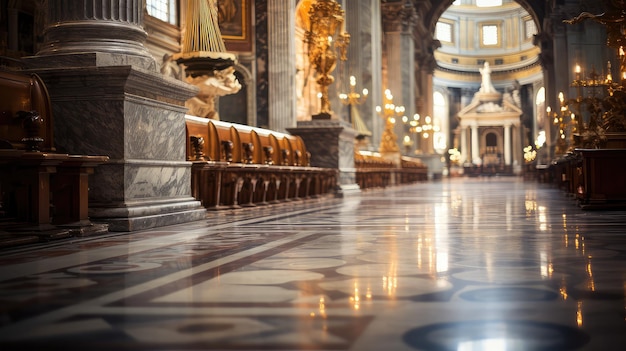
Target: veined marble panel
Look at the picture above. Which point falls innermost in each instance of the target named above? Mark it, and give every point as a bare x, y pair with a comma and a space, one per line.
89, 127
121, 181
152, 131
156, 180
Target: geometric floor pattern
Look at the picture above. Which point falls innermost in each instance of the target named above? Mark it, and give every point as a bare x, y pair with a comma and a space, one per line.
459, 264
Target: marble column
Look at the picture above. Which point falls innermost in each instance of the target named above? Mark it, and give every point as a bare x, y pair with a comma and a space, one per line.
365, 59
331, 144
464, 146
281, 64
108, 99
507, 144
475, 145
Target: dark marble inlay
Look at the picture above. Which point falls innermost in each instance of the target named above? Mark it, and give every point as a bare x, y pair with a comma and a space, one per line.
509, 295
495, 335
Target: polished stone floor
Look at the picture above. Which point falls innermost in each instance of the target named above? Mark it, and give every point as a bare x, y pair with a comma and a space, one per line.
459, 264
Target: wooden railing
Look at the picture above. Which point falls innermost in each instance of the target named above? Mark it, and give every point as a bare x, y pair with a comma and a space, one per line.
236, 165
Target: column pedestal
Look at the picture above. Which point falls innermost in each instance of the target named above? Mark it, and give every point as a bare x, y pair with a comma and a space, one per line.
331, 144
134, 116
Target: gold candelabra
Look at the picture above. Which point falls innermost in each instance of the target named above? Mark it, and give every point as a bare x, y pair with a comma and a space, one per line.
324, 37
389, 112
423, 130
598, 108
598, 114
352, 100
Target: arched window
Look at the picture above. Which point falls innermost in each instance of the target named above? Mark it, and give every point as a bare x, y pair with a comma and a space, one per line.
440, 125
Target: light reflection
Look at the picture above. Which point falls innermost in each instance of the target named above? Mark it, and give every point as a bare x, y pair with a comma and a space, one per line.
441, 238
543, 221
489, 266
590, 283
563, 289
484, 345
355, 298
531, 207
390, 285
322, 307
544, 265
579, 314
419, 253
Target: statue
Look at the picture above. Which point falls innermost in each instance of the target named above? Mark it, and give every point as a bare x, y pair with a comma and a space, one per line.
486, 86
169, 68
220, 83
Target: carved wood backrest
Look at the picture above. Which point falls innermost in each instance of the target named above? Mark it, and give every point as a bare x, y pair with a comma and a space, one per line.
21, 94
217, 135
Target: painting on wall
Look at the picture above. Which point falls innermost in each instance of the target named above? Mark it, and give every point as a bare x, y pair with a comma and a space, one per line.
234, 19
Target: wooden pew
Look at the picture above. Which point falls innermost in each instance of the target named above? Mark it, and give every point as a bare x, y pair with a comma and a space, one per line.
373, 171
237, 165
40, 189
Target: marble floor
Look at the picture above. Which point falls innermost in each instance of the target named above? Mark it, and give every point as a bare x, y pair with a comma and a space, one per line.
459, 264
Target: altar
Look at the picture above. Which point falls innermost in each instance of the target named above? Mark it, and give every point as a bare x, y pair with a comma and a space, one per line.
490, 131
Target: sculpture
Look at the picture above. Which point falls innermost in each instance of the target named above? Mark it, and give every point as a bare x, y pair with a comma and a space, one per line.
219, 83
486, 86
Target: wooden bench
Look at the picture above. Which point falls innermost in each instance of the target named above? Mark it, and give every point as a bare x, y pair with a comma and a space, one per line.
373, 171
38, 186
237, 165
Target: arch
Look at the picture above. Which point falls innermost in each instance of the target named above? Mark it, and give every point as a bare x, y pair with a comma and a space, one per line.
534, 8
248, 88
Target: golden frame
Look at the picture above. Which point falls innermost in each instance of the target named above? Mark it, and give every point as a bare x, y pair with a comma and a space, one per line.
235, 24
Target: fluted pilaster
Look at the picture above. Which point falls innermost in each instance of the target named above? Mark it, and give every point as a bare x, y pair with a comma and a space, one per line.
281, 64
398, 21
365, 58
100, 26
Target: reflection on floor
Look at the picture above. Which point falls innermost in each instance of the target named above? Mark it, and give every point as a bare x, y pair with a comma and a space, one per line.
461, 264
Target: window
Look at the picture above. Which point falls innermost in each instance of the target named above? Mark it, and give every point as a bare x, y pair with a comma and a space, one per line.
489, 34
530, 28
165, 10
488, 3
443, 32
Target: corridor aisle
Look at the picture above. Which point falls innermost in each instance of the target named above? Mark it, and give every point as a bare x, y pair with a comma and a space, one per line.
461, 264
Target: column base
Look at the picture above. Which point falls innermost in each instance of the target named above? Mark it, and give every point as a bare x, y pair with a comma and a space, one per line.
347, 190
331, 144
138, 216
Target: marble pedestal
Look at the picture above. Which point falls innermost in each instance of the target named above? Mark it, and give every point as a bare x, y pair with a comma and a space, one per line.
136, 117
331, 144
434, 164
